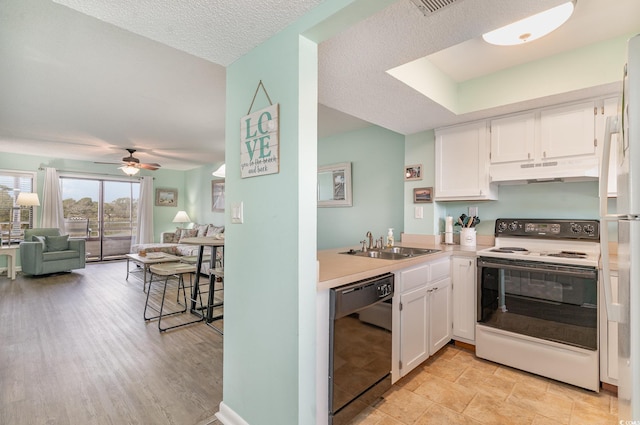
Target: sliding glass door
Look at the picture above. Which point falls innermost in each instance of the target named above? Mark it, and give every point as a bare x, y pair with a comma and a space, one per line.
101, 211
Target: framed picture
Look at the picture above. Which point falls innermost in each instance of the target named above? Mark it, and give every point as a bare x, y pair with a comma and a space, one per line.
166, 197
413, 172
422, 195
217, 195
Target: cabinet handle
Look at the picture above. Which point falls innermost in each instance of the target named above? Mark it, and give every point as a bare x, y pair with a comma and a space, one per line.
544, 154
528, 155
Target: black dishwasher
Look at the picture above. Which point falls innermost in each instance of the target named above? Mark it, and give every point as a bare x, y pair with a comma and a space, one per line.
359, 346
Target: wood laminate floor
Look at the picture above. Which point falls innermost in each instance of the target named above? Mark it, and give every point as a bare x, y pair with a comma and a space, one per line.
74, 349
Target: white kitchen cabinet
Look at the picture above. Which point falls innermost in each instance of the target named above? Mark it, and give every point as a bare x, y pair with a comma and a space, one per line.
513, 138
414, 331
463, 278
545, 144
462, 163
608, 337
424, 312
567, 131
440, 315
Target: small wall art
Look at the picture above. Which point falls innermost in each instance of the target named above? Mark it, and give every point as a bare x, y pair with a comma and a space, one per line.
166, 197
413, 172
217, 195
422, 195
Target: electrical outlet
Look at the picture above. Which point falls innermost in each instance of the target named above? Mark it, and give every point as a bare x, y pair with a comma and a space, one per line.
473, 212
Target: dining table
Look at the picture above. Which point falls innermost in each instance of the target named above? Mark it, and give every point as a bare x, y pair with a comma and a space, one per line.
215, 243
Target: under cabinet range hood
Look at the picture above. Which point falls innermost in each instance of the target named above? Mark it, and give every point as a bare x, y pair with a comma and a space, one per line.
559, 169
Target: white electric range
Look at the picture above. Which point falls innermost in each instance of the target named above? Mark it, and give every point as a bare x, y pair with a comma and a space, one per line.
537, 299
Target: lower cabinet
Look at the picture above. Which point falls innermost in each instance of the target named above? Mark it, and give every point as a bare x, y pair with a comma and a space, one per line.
424, 311
463, 278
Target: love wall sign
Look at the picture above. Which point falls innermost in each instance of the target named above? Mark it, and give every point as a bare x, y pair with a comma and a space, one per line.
259, 145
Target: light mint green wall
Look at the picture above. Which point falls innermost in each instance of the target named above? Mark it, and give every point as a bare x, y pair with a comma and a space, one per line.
377, 158
162, 216
270, 260
420, 149
537, 200
198, 195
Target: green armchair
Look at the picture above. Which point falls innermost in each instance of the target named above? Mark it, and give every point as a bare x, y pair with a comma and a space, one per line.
45, 251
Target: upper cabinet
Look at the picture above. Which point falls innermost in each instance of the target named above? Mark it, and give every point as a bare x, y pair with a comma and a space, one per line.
512, 138
462, 163
545, 144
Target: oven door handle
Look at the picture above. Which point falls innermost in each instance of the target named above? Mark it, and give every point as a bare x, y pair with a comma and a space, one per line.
559, 269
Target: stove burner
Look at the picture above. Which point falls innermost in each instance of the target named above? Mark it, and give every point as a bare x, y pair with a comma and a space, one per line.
568, 254
509, 249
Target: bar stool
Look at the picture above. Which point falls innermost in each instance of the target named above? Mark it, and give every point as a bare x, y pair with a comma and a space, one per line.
216, 275
169, 270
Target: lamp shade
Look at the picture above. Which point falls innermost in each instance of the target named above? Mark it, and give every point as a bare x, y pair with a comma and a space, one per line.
27, 199
182, 217
220, 172
129, 170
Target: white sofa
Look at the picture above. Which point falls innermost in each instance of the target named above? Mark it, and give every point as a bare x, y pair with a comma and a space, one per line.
170, 241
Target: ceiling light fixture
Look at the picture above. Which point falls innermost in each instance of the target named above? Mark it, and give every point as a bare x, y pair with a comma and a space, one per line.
130, 170
220, 172
531, 28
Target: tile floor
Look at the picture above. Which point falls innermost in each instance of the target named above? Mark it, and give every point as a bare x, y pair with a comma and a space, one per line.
455, 387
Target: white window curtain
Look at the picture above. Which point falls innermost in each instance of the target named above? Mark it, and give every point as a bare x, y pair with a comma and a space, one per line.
145, 213
52, 215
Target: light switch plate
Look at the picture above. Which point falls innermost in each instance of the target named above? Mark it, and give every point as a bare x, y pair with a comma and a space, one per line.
237, 216
418, 212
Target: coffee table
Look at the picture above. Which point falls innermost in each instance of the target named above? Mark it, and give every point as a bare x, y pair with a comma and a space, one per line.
146, 262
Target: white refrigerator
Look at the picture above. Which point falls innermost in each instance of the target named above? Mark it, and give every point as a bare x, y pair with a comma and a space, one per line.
626, 312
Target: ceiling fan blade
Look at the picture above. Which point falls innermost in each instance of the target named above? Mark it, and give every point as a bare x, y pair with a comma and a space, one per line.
110, 163
148, 166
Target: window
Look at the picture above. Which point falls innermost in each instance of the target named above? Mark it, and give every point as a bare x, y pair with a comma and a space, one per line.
14, 219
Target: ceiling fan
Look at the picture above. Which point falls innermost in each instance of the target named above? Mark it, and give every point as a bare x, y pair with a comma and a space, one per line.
131, 165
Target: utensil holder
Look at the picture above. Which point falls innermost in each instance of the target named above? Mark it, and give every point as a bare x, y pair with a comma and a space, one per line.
468, 237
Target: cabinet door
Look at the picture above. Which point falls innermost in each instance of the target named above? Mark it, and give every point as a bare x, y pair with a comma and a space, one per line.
439, 315
463, 276
512, 138
414, 333
462, 163
567, 131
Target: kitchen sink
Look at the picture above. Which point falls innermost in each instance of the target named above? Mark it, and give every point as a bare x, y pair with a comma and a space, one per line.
393, 253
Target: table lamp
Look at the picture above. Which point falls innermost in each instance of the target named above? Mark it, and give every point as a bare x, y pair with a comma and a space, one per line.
182, 217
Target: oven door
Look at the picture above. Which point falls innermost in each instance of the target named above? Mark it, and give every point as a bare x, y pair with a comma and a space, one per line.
554, 302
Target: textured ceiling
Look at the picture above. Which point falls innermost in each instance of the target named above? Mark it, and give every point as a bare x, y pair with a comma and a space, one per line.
219, 31
450, 38
85, 79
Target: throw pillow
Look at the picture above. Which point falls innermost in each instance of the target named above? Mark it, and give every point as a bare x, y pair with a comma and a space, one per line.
213, 230
57, 243
187, 233
40, 239
201, 229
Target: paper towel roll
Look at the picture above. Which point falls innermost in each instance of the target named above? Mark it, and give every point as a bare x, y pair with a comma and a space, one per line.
448, 230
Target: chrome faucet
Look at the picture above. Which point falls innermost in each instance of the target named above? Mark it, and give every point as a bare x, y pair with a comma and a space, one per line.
370, 236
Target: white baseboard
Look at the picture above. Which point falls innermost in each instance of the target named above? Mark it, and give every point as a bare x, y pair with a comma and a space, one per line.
227, 416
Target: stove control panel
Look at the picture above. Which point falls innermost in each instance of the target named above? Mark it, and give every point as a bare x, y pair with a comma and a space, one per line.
549, 229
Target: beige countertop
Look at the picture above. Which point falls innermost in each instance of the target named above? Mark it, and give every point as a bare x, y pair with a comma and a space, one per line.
340, 269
